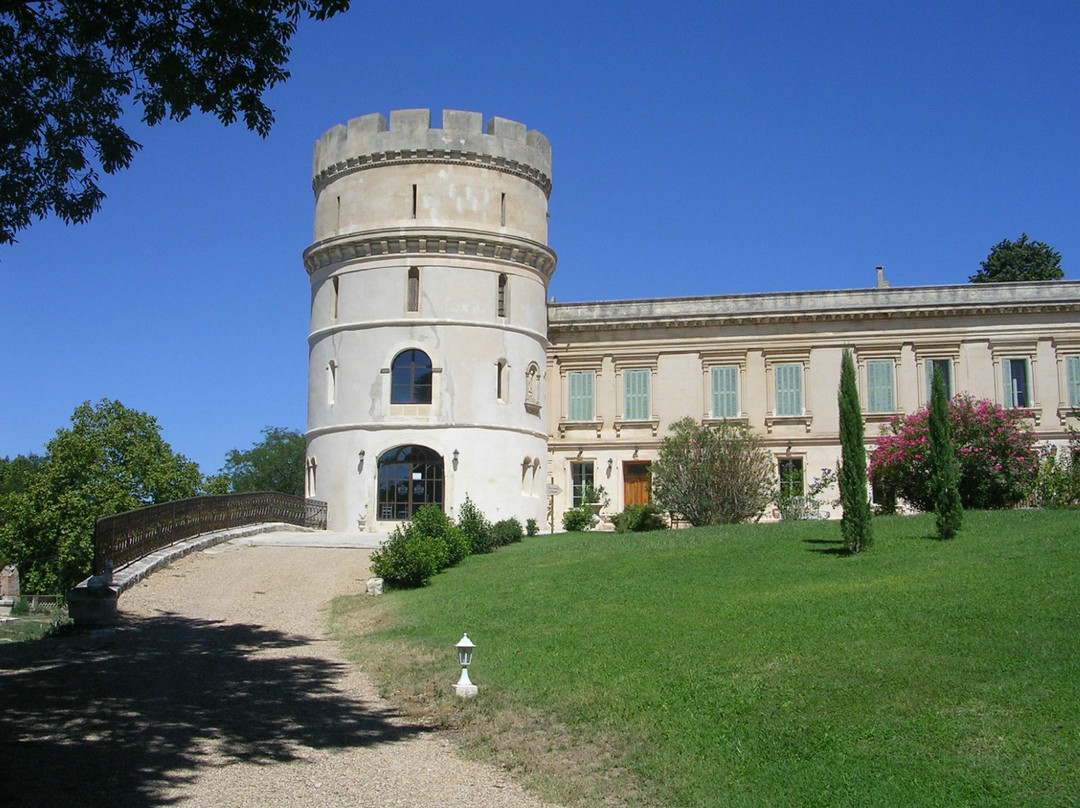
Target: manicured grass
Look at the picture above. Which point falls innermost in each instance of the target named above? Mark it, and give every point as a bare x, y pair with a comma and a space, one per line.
758, 665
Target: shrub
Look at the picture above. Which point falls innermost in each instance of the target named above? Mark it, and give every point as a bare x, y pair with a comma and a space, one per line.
20, 607
409, 558
531, 528
995, 448
432, 521
575, 520
476, 528
944, 468
506, 532
639, 518
1058, 483
713, 474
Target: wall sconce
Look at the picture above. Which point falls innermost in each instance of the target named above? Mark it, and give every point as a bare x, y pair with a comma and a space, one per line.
789, 447
635, 452
464, 687
455, 460
360, 467
610, 463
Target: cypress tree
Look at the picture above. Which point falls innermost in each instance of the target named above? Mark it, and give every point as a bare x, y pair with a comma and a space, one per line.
855, 523
944, 468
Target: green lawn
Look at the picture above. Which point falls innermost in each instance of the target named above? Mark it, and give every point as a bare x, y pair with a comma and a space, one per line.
758, 665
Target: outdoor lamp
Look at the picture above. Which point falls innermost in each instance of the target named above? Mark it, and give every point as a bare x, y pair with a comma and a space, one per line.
360, 467
610, 463
455, 459
464, 687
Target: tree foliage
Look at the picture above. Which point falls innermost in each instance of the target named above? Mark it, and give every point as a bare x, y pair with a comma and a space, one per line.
995, 449
68, 69
276, 463
1020, 260
944, 469
713, 474
16, 472
111, 459
855, 523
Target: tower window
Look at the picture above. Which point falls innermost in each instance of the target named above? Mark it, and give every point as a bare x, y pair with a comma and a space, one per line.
410, 378
335, 293
412, 290
409, 476
504, 284
414, 198
331, 381
502, 211
502, 372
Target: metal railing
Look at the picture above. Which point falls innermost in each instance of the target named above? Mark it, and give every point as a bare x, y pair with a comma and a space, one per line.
130, 535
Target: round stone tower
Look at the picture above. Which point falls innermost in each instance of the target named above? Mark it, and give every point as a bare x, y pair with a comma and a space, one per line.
429, 273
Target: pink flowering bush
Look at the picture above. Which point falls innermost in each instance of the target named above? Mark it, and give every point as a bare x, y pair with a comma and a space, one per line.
999, 462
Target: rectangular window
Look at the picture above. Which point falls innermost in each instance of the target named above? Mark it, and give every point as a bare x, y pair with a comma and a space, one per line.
581, 474
725, 392
1072, 381
412, 290
582, 385
792, 477
944, 366
636, 395
789, 395
335, 292
880, 389
501, 296
1017, 392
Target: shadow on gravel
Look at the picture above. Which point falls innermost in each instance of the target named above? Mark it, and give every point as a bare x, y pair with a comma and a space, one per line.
110, 718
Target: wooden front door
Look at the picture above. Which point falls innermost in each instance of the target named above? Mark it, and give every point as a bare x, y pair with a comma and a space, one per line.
636, 477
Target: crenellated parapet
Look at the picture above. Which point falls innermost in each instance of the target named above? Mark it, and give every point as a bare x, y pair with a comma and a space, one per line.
368, 142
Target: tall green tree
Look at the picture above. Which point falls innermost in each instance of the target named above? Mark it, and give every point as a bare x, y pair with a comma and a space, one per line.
70, 70
111, 459
1020, 260
276, 463
944, 468
16, 472
855, 523
711, 475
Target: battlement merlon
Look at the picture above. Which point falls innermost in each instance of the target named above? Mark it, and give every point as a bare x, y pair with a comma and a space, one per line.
367, 142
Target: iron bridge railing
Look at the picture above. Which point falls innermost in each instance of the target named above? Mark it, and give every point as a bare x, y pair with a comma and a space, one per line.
130, 535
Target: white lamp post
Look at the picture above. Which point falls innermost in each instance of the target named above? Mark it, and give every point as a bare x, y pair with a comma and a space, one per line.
464, 687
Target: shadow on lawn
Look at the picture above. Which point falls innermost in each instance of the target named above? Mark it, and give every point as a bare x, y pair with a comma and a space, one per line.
115, 717
835, 546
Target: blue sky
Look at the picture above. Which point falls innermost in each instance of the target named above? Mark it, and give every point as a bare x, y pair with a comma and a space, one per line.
699, 148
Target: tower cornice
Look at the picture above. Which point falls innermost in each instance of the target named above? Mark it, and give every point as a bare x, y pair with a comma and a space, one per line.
430, 242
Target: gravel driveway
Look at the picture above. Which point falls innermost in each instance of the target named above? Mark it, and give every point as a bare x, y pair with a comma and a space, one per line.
220, 688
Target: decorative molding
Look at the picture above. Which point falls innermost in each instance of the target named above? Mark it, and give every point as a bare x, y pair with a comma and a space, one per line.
574, 426
361, 162
805, 420
462, 243
653, 424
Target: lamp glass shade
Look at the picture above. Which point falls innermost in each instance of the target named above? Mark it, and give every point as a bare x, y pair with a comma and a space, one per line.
465, 648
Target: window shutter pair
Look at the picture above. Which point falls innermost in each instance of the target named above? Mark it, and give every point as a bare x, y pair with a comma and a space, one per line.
725, 392
582, 384
789, 397
636, 395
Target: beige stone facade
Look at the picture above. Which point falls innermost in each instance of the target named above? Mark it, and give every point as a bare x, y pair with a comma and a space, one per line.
773, 361
437, 369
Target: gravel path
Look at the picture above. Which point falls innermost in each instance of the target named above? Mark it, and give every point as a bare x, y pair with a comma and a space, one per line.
220, 688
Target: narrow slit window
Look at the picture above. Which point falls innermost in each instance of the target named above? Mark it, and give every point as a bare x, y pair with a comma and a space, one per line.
412, 291
331, 381
414, 201
335, 293
503, 284
501, 380
502, 211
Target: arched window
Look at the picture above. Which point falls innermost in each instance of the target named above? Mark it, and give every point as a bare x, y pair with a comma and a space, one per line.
410, 378
409, 476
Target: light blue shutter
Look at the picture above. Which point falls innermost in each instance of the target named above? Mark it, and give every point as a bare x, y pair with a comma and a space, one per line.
1009, 397
1072, 380
789, 390
879, 386
636, 395
581, 395
725, 392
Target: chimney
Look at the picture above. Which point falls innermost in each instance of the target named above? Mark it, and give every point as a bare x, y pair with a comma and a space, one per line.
881, 282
